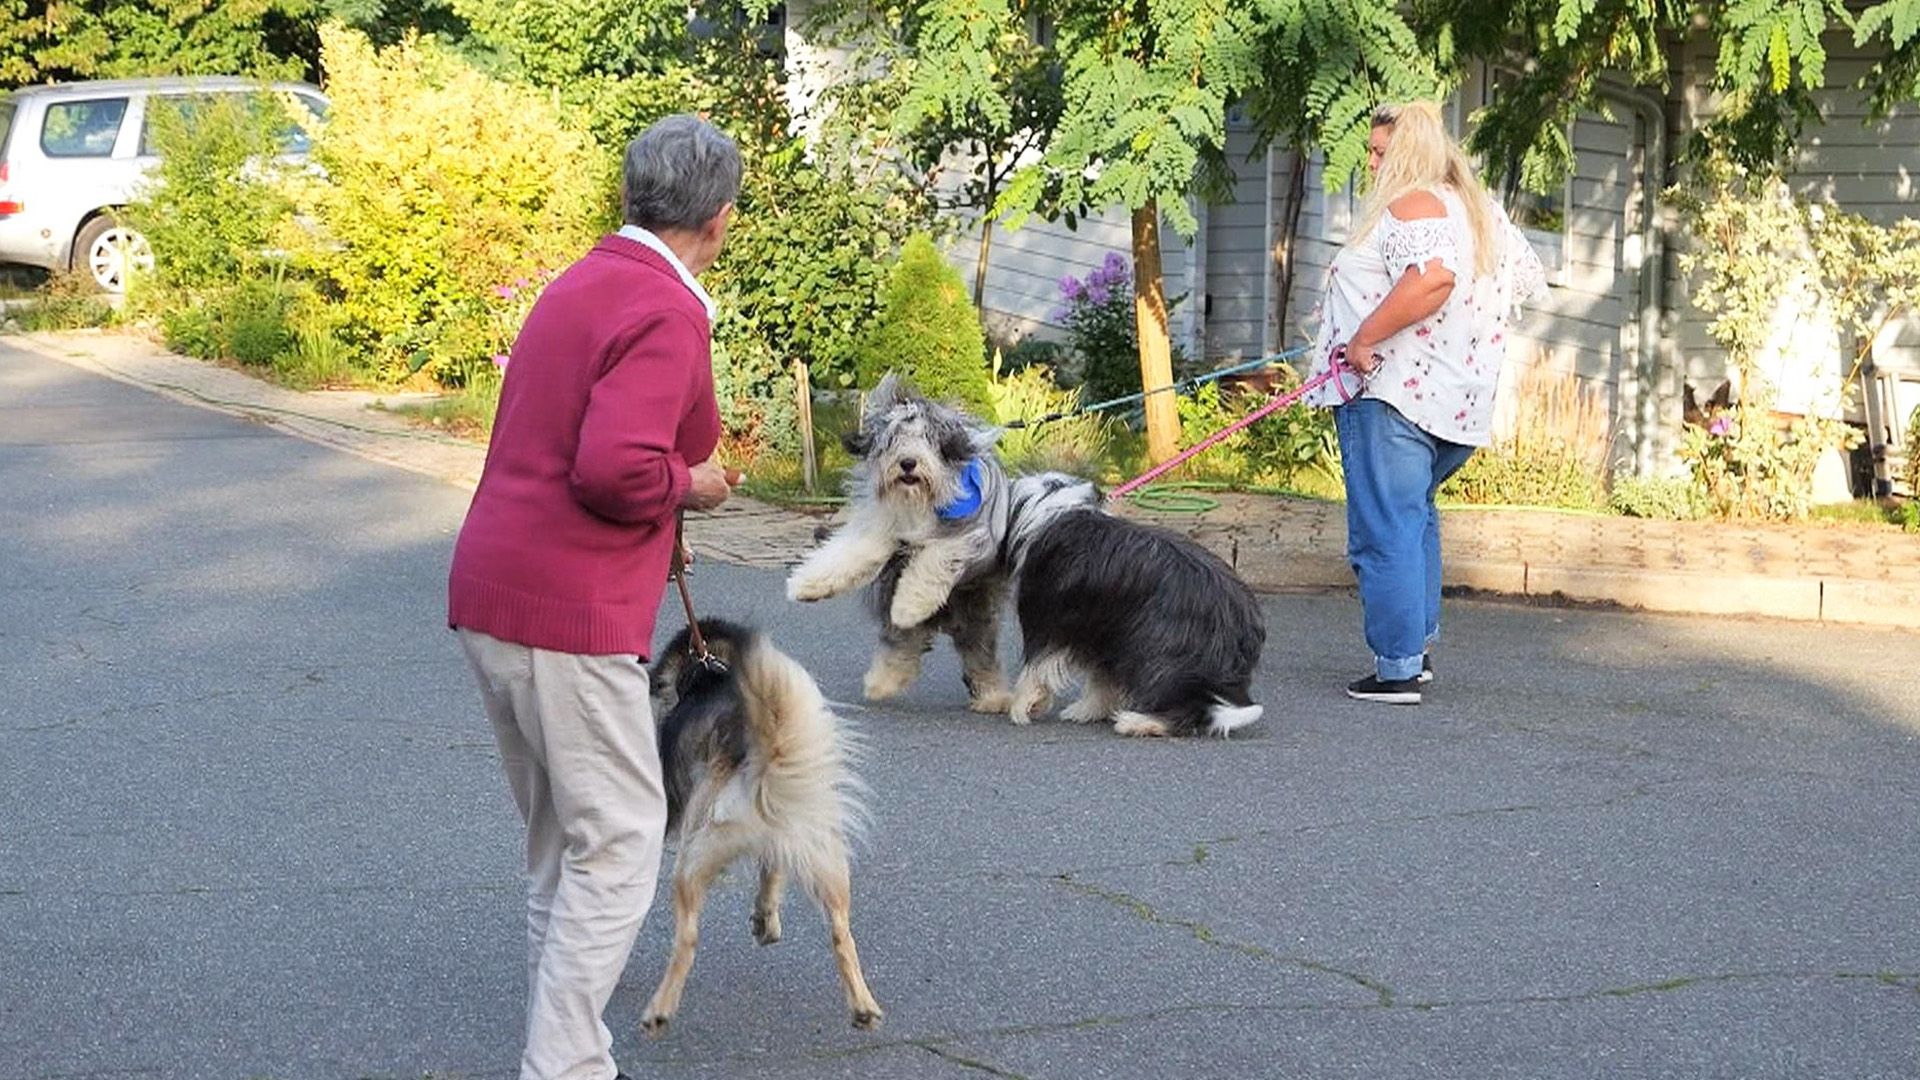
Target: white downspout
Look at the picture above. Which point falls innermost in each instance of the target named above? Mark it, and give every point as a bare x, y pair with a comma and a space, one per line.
1194, 324
1266, 260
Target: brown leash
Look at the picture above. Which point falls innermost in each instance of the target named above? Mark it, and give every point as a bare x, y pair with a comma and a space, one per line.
696, 641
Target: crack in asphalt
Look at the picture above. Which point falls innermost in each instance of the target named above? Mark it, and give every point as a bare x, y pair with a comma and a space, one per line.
1383, 994
936, 1043
1386, 997
1202, 849
967, 1062
111, 711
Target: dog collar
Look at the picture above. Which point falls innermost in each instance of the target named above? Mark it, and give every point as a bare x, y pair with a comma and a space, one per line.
967, 502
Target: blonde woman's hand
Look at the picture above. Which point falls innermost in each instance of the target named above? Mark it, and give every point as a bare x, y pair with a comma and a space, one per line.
1361, 358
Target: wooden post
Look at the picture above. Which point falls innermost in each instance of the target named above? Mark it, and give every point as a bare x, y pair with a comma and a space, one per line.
1150, 322
803, 399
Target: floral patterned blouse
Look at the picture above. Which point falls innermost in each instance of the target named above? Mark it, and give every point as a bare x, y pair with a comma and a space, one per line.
1440, 373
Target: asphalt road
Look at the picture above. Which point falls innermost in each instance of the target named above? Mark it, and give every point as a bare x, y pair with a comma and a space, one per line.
252, 824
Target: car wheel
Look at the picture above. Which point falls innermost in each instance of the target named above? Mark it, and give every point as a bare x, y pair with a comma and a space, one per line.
106, 250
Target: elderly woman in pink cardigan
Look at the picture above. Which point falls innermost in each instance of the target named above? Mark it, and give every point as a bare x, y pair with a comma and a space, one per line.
605, 431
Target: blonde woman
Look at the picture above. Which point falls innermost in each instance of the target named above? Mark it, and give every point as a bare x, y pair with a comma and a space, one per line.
1418, 301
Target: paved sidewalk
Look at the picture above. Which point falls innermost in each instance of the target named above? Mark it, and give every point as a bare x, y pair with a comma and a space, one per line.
1831, 573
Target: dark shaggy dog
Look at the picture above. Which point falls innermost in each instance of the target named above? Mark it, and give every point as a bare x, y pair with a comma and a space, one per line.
1162, 632
755, 766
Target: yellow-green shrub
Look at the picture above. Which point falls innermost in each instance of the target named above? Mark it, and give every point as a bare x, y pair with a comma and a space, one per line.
441, 188
1075, 442
927, 331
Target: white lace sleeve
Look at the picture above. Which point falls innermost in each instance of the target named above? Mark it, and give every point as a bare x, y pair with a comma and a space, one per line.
1526, 278
1413, 244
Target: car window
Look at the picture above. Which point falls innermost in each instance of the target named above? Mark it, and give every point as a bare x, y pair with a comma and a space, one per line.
6, 123
82, 128
289, 130
187, 105
297, 137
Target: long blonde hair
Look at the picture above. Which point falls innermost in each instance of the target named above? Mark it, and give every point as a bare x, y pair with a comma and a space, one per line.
1422, 155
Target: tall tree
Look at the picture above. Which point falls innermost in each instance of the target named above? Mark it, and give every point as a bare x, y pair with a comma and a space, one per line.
1144, 87
1771, 58
963, 84
51, 41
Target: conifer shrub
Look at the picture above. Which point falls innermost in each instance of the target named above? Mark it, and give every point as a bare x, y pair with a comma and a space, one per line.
928, 332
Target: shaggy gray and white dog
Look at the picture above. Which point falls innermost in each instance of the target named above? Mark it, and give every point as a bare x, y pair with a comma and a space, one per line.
1161, 632
929, 516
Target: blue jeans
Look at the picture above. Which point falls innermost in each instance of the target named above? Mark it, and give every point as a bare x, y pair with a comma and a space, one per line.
1392, 471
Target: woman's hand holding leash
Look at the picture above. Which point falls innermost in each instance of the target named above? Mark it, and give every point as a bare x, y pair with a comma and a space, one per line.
1361, 358
710, 485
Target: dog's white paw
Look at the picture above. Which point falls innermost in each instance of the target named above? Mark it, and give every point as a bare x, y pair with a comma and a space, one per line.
1139, 725
1089, 708
1026, 702
910, 611
991, 701
867, 1019
654, 1024
885, 680
806, 588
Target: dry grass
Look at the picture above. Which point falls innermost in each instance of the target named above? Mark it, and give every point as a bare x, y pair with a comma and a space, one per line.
1553, 443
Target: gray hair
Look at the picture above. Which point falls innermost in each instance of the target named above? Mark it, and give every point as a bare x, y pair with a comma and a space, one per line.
679, 173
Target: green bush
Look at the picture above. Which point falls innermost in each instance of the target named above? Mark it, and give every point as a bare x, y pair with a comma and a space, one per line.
1073, 443
442, 189
215, 204
928, 331
1552, 476
65, 302
257, 316
1278, 451
758, 411
193, 328
252, 321
808, 256
1035, 352
1556, 452
1669, 498
1913, 454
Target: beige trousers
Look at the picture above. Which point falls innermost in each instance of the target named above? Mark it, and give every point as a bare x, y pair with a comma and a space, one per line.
576, 737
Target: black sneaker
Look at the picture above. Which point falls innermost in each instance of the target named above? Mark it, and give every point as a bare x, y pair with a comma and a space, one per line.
1426, 670
1399, 692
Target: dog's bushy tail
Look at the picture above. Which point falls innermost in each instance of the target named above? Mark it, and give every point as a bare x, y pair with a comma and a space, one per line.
805, 785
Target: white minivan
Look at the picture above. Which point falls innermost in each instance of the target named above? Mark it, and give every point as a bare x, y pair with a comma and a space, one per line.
71, 154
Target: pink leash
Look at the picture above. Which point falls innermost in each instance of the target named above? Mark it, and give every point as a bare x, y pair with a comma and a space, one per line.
1333, 374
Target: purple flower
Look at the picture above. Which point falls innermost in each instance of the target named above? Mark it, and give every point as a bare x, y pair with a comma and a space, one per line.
499, 359
1720, 426
504, 292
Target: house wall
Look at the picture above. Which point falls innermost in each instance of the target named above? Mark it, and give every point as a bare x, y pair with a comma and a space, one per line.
1871, 168
1238, 297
